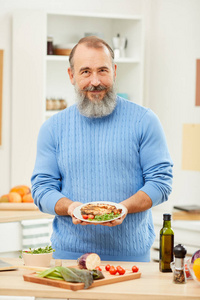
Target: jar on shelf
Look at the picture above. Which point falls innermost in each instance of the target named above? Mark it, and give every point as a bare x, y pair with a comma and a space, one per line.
50, 50
63, 104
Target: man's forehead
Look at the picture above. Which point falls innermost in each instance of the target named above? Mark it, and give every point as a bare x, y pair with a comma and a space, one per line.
87, 50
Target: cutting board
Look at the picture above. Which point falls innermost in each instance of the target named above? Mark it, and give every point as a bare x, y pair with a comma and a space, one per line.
109, 279
18, 206
4, 266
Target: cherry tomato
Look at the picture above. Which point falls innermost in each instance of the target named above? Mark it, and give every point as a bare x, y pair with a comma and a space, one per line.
90, 216
85, 217
135, 269
120, 270
98, 268
107, 267
187, 272
112, 270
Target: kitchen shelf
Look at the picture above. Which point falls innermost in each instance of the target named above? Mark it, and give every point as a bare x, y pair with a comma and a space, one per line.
66, 58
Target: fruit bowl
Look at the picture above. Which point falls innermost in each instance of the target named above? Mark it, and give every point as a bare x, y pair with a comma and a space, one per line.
191, 270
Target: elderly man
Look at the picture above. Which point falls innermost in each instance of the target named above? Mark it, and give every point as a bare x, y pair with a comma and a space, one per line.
103, 148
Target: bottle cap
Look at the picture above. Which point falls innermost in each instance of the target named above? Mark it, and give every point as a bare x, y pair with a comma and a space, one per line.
180, 251
167, 217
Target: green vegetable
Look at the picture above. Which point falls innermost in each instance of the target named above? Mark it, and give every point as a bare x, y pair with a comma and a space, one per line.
105, 217
50, 271
69, 275
97, 274
47, 249
85, 275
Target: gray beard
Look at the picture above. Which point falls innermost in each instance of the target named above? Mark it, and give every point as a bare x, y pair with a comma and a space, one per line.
96, 108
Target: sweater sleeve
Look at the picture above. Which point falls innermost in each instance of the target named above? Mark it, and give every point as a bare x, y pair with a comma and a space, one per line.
155, 159
46, 178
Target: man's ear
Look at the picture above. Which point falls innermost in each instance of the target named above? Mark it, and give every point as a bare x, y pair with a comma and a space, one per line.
115, 71
71, 76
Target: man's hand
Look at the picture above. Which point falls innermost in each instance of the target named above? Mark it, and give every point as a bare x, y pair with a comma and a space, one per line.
117, 221
71, 208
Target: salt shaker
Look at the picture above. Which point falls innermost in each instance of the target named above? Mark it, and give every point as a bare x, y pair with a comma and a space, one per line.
179, 266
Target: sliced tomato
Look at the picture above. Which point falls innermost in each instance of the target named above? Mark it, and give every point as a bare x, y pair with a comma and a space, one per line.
120, 270
90, 216
135, 269
98, 268
112, 270
107, 267
85, 217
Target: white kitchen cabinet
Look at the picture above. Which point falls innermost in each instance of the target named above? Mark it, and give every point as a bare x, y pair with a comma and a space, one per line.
37, 76
16, 236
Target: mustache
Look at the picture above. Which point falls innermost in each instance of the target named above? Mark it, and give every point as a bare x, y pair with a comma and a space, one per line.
92, 88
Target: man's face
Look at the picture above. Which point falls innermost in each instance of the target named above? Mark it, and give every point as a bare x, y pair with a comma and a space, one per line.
93, 77
93, 72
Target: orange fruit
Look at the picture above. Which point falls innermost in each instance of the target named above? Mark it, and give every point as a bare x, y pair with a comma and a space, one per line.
196, 268
27, 198
21, 189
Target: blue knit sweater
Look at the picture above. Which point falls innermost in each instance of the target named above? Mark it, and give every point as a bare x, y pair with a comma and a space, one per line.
102, 159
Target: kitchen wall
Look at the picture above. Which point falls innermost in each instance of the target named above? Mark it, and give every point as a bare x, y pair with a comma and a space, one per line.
172, 46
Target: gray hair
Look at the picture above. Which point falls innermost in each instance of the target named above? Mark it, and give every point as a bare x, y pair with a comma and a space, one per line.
90, 42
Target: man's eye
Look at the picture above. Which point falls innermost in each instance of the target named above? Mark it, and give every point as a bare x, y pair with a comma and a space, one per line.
103, 71
85, 72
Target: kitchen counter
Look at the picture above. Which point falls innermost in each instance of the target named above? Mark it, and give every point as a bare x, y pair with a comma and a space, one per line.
20, 215
151, 286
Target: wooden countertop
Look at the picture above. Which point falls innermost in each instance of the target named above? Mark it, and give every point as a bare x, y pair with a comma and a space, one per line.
152, 285
187, 216
20, 215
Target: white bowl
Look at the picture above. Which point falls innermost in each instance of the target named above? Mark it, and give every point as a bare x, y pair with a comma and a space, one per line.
37, 260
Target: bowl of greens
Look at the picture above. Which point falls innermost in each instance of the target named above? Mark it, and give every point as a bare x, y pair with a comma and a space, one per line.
40, 257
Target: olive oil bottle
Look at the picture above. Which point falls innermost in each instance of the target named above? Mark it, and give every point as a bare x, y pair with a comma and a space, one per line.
166, 244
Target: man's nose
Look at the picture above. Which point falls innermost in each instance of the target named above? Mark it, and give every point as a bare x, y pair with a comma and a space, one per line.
95, 80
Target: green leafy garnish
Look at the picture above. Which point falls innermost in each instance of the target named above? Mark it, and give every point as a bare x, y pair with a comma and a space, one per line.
105, 217
47, 249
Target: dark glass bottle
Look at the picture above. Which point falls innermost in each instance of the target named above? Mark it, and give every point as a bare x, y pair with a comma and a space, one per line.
166, 244
50, 45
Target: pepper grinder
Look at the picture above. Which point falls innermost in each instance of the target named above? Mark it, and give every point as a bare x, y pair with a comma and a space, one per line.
179, 266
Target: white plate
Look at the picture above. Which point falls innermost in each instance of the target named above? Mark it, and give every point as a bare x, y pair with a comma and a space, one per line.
77, 211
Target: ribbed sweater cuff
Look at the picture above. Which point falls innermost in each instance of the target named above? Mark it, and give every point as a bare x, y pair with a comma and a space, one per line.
153, 193
49, 201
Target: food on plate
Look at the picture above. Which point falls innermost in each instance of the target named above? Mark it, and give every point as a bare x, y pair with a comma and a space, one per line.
196, 268
70, 274
135, 269
100, 212
89, 261
112, 270
195, 255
